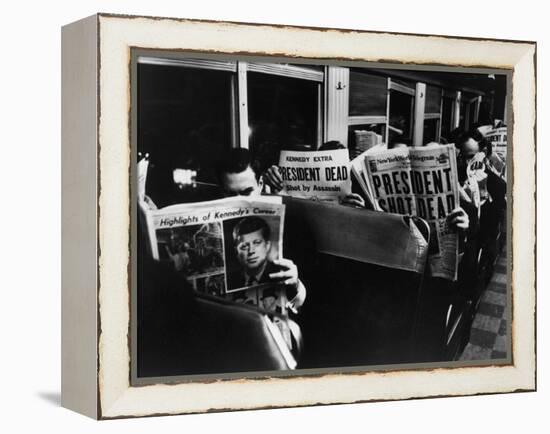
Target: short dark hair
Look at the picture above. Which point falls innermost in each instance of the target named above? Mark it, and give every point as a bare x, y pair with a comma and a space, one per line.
464, 137
454, 136
331, 145
251, 224
235, 160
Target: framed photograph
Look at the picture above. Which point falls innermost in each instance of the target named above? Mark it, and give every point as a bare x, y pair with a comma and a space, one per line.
261, 216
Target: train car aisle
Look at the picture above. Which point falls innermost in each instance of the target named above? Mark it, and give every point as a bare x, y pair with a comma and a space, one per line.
488, 338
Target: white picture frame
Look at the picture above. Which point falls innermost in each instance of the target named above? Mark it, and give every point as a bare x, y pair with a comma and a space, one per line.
96, 356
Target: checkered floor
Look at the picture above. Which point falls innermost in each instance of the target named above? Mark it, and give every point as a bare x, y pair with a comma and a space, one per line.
488, 338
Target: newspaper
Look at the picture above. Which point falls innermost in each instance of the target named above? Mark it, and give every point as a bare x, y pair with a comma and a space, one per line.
499, 138
365, 140
224, 248
318, 175
475, 170
497, 160
357, 166
421, 182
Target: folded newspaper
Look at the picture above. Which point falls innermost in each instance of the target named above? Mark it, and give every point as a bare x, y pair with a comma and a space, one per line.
357, 166
423, 182
475, 170
497, 160
499, 138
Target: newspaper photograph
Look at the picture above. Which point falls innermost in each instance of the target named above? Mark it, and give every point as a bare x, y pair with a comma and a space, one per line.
421, 182
224, 247
318, 175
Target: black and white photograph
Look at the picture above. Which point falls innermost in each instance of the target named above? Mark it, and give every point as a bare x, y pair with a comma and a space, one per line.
292, 216
383, 237
194, 251
251, 248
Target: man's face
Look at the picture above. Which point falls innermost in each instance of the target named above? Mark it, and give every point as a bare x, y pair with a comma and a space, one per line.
469, 149
241, 184
269, 303
252, 250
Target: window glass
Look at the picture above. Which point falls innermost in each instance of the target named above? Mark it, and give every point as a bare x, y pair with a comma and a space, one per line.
471, 114
401, 108
282, 114
430, 130
447, 118
184, 120
367, 94
433, 99
462, 114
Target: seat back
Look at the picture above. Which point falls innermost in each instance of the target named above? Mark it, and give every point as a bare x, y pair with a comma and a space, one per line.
363, 271
181, 332
371, 237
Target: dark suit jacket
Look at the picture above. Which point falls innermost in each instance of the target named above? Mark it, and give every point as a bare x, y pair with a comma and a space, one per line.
237, 278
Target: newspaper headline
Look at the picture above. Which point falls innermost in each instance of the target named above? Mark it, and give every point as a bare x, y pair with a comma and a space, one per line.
421, 182
320, 175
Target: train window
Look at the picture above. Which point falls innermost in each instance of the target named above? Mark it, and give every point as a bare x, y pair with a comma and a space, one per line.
433, 99
283, 113
462, 116
367, 95
431, 130
471, 115
184, 118
447, 117
401, 117
432, 114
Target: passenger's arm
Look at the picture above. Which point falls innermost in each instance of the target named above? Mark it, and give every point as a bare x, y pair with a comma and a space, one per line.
273, 178
289, 276
458, 219
353, 200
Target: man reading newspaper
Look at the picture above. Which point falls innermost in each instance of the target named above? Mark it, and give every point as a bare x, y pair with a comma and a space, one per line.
280, 290
238, 178
231, 248
394, 192
422, 182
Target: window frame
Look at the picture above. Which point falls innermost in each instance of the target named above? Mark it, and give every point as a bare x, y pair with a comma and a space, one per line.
239, 87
